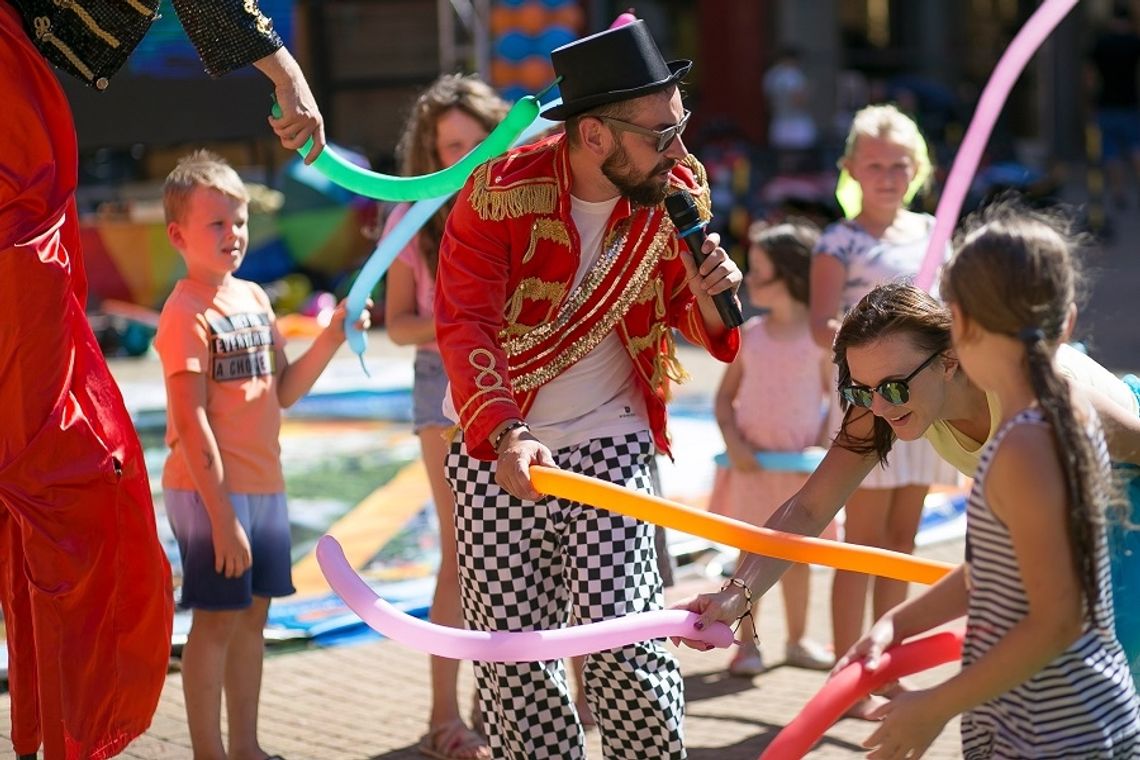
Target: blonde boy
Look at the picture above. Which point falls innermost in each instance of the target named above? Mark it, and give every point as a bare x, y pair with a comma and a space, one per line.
227, 379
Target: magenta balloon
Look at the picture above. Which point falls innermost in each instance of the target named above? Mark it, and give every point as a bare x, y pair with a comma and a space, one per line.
503, 646
623, 19
853, 683
1009, 68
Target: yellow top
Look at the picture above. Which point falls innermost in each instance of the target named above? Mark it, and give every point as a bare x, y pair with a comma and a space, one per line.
964, 453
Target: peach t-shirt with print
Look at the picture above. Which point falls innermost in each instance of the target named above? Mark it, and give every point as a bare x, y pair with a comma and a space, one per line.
229, 334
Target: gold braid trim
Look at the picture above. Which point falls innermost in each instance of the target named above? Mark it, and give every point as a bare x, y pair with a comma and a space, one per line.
42, 26
546, 229
89, 22
140, 8
499, 203
666, 365
484, 373
648, 292
557, 355
696, 324
534, 289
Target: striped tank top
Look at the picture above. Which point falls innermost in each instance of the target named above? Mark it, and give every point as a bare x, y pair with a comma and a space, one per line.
1083, 704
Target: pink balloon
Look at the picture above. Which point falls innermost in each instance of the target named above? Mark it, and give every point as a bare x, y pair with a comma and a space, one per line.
623, 19
853, 683
503, 646
1009, 68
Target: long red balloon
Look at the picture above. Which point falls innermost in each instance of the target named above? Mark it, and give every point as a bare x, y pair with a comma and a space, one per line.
853, 683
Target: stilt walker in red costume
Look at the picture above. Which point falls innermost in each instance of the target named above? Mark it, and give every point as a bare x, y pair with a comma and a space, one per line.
84, 582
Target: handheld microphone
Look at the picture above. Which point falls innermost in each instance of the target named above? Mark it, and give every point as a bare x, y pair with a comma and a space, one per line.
683, 211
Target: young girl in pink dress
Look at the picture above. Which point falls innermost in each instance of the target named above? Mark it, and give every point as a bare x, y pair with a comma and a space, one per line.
774, 397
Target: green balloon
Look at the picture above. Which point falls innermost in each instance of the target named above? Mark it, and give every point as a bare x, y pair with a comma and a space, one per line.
444, 182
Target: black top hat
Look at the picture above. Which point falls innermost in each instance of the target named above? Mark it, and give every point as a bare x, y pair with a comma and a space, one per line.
617, 64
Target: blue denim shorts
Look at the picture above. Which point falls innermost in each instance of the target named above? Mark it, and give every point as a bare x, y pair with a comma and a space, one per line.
1119, 132
427, 393
266, 522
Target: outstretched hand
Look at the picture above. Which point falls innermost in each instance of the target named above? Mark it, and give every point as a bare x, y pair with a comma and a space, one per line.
726, 606
340, 315
870, 648
911, 722
300, 118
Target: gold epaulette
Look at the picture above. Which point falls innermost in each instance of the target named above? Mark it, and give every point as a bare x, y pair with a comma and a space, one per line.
495, 197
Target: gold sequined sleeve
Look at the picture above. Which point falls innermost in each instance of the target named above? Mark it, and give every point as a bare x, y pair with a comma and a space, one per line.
228, 34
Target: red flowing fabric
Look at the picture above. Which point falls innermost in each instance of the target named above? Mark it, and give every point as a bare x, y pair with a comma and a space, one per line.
84, 582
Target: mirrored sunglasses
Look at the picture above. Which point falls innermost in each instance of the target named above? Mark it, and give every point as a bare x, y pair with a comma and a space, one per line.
894, 391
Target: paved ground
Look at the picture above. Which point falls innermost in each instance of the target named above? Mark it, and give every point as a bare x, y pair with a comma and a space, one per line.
371, 700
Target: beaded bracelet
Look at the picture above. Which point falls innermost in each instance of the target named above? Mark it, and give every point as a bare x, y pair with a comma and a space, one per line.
748, 608
516, 424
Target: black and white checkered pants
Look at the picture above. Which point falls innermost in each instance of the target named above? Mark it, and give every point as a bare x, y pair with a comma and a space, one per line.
540, 565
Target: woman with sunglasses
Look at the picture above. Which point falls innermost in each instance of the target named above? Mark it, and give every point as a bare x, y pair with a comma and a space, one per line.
900, 380
884, 165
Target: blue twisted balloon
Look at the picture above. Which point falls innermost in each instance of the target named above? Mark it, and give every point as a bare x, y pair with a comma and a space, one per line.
418, 215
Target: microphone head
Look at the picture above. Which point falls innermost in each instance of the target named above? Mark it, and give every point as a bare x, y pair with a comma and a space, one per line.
682, 210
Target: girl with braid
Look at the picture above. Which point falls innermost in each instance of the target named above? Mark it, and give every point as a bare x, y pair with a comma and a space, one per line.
1043, 674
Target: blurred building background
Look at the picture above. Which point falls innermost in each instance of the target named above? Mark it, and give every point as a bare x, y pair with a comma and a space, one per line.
367, 60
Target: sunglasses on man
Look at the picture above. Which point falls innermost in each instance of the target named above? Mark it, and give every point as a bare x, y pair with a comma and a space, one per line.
894, 391
664, 137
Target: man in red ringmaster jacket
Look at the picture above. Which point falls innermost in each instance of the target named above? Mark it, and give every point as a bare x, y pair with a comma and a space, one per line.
559, 285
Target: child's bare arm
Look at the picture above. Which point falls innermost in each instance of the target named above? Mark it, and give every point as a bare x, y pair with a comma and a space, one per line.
830, 397
828, 275
1025, 488
741, 454
405, 325
296, 378
186, 399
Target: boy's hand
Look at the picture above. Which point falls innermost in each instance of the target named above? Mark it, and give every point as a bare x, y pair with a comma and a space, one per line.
340, 314
232, 555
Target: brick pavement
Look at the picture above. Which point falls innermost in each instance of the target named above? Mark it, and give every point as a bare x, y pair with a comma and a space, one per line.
371, 700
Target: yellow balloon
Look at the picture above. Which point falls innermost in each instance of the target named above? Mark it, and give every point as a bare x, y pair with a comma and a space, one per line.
724, 530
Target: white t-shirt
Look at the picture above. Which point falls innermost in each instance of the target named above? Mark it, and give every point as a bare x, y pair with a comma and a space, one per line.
597, 396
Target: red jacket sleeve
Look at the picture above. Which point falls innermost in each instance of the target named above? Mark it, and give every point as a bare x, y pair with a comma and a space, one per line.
685, 315
470, 293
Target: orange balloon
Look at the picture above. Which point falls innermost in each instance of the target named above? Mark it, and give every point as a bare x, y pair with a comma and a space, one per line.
535, 72
503, 73
724, 530
502, 20
531, 18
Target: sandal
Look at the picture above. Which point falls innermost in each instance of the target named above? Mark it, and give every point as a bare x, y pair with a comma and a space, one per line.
453, 741
747, 663
809, 655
